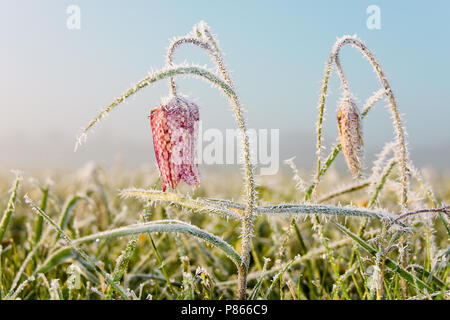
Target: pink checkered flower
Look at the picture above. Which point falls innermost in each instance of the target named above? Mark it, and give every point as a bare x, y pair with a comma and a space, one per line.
175, 131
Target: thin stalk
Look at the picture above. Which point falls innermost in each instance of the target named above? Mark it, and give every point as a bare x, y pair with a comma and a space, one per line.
403, 273
319, 227
310, 255
9, 208
80, 251
177, 43
429, 194
161, 265
227, 87
321, 113
122, 263
349, 189
249, 181
152, 78
65, 214
381, 183
39, 219
379, 186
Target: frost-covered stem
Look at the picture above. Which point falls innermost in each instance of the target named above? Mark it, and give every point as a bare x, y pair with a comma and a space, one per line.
247, 221
169, 226
197, 205
249, 181
445, 210
152, 78
349, 189
402, 154
321, 112
430, 239
310, 190
9, 208
379, 267
80, 251
382, 181
175, 44
319, 228
219, 56
429, 193
39, 219
321, 210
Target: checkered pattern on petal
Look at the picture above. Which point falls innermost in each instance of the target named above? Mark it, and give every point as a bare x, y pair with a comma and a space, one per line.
175, 133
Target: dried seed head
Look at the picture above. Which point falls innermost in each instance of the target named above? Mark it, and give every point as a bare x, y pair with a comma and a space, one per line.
350, 135
175, 131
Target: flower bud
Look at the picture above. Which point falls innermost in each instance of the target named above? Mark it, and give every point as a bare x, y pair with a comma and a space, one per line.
175, 132
350, 135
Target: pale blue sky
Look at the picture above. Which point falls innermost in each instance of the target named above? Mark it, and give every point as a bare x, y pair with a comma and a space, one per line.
53, 80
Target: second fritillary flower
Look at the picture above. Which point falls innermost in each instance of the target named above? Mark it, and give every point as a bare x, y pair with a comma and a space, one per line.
350, 135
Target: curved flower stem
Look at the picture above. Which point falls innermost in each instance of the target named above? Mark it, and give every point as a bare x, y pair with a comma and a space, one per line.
175, 44
213, 52
247, 222
402, 153
334, 57
152, 78
321, 170
249, 181
322, 210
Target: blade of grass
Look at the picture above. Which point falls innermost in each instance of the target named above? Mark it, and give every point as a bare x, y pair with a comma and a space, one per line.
173, 226
412, 279
39, 219
197, 205
9, 208
80, 251
65, 214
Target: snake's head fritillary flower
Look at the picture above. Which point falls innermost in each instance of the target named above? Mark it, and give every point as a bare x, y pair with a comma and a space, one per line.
175, 131
350, 135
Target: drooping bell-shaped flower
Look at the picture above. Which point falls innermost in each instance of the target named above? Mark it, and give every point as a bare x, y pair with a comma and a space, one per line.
350, 135
175, 131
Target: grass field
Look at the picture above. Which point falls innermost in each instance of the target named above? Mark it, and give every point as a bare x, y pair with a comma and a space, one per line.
178, 266
116, 233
